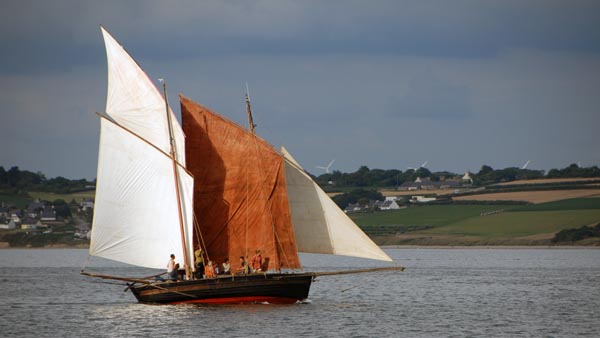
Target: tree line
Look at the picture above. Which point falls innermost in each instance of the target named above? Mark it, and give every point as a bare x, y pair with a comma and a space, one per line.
574, 170
380, 178
17, 180
577, 234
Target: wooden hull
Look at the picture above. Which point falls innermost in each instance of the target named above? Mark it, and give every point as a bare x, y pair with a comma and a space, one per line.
256, 288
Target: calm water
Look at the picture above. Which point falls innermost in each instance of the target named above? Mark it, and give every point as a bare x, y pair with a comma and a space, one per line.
443, 293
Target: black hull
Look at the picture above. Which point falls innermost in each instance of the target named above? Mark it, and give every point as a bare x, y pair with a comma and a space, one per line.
272, 288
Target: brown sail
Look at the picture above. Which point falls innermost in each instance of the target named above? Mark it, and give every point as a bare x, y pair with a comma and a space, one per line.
240, 197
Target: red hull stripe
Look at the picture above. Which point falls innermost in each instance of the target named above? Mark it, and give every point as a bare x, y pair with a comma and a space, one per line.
240, 300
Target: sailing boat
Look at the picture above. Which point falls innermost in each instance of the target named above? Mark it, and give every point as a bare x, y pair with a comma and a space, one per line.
163, 188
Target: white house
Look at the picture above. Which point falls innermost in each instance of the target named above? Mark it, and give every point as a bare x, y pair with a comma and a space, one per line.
388, 205
421, 199
14, 216
9, 226
87, 203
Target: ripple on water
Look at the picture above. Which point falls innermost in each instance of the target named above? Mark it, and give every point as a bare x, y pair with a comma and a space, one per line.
454, 293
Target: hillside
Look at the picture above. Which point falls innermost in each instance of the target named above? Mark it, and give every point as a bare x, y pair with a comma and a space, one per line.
491, 214
480, 224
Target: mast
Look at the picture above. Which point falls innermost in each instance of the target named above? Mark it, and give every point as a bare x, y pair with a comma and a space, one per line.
173, 153
251, 124
251, 127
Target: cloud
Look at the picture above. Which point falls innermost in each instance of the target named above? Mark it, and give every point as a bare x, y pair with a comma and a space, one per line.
44, 35
387, 84
48, 122
431, 99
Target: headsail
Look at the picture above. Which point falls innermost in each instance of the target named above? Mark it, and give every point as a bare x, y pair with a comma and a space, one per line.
240, 192
134, 102
319, 224
136, 216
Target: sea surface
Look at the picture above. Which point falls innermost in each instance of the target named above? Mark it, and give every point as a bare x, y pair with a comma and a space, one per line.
442, 293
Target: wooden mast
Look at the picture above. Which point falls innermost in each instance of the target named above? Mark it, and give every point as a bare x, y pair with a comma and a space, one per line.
251, 124
176, 175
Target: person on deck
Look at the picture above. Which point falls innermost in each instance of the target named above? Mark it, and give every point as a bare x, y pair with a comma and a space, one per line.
171, 268
243, 269
257, 262
226, 267
209, 270
199, 263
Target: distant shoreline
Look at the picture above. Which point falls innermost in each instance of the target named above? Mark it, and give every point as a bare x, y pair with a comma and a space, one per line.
500, 247
495, 247
53, 246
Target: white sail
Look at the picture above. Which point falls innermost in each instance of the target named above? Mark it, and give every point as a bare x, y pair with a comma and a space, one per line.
134, 102
320, 226
136, 218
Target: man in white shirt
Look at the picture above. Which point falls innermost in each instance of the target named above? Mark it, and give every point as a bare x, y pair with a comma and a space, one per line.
171, 269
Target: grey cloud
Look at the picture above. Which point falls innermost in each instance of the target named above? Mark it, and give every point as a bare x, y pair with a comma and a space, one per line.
432, 99
45, 34
386, 84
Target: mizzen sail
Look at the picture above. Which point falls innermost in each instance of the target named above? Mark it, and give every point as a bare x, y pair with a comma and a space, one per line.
319, 224
240, 194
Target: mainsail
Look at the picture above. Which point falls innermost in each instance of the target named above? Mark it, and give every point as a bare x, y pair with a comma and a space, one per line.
319, 224
136, 216
134, 102
240, 190
251, 197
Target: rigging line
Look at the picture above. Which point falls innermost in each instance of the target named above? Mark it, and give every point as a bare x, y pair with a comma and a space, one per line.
247, 214
87, 260
251, 126
265, 196
278, 241
111, 283
135, 280
199, 234
262, 186
352, 287
173, 155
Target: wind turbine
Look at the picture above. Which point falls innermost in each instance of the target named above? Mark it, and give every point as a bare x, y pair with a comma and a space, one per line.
421, 166
526, 164
326, 168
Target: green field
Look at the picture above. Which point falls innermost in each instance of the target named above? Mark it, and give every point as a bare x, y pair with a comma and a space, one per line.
459, 221
519, 224
48, 196
427, 215
18, 200
21, 201
570, 204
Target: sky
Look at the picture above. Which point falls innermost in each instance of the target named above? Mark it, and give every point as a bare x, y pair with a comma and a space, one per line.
386, 84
